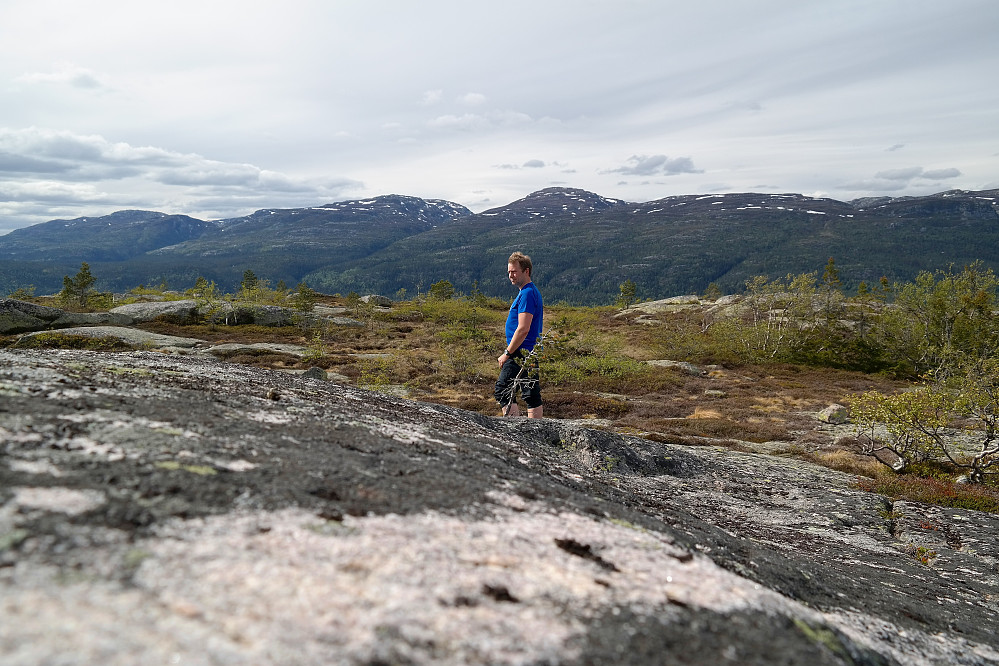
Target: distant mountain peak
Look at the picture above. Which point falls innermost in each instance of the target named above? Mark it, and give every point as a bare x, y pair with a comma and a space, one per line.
553, 201
433, 209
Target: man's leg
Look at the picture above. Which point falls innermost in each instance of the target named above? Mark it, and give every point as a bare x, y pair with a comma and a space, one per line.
532, 396
505, 394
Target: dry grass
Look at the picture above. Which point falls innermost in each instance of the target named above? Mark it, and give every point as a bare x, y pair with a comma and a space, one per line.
847, 461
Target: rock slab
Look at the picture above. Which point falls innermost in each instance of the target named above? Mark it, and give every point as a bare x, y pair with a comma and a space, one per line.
159, 508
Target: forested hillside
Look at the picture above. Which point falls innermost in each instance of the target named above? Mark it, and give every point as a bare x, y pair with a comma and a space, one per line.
584, 245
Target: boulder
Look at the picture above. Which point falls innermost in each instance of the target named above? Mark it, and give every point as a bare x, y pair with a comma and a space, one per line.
142, 312
19, 316
326, 311
686, 367
374, 299
345, 321
68, 319
314, 372
674, 304
260, 315
835, 414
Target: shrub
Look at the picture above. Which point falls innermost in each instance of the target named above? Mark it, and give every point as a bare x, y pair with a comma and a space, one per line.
942, 317
933, 491
925, 425
79, 292
23, 293
442, 290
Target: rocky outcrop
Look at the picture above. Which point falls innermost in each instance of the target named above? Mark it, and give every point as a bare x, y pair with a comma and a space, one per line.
131, 336
684, 366
22, 317
376, 300
142, 312
158, 508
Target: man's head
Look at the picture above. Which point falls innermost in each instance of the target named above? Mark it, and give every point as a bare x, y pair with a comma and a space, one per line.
519, 269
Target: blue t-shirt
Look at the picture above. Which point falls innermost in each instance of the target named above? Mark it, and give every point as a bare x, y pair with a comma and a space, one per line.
528, 300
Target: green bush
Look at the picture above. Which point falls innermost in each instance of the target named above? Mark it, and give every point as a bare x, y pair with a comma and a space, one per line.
442, 290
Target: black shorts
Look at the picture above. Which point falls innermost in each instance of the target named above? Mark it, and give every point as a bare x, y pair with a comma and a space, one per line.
507, 386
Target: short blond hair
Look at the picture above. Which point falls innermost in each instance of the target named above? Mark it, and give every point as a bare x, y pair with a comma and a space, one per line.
523, 261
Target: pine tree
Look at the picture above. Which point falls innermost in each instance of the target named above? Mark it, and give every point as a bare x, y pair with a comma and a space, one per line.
80, 288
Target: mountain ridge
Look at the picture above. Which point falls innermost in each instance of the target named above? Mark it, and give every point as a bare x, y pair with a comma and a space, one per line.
584, 244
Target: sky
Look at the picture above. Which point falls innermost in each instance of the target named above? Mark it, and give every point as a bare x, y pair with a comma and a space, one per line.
218, 108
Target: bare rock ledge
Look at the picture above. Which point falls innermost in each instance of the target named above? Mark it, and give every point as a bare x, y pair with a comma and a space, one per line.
176, 509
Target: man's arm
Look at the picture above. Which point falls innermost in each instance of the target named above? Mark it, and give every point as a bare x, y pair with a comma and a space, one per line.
524, 320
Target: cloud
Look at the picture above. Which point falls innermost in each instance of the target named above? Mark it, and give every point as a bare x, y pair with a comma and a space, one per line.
900, 174
26, 164
431, 97
534, 164
894, 180
897, 146
912, 173
940, 174
656, 165
35, 151
476, 121
65, 74
473, 99
57, 172
51, 192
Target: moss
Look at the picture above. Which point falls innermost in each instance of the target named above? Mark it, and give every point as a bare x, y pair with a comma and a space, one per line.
823, 636
173, 465
12, 538
56, 340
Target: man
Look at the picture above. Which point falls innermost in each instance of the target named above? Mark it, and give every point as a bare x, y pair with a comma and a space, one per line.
523, 327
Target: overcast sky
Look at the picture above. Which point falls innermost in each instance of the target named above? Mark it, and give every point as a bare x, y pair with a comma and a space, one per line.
217, 108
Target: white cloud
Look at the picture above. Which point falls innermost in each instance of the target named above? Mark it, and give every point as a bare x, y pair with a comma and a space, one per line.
473, 99
431, 97
655, 165
534, 164
65, 73
480, 121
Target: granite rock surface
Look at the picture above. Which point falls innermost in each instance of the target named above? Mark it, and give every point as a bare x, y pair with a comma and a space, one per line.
163, 508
